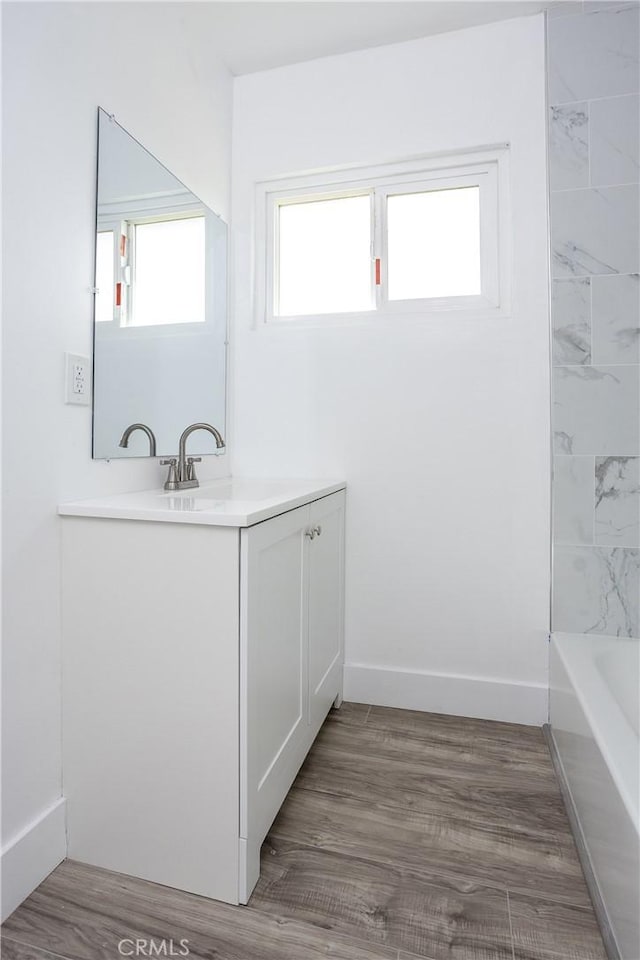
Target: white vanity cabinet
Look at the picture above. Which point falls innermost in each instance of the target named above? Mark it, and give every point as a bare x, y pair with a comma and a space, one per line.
199, 662
291, 597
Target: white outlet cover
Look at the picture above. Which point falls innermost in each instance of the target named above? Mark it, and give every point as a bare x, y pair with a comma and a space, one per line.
77, 381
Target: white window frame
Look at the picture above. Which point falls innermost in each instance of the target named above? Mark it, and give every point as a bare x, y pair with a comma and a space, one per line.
486, 168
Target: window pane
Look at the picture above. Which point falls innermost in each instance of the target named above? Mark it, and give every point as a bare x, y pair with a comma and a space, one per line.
104, 276
434, 244
168, 282
324, 257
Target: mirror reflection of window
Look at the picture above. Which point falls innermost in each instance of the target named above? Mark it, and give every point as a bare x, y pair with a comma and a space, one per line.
104, 276
168, 275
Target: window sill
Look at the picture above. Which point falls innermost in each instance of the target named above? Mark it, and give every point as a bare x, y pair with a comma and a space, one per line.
388, 318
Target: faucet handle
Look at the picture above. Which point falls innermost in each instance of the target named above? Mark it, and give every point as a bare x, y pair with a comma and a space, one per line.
171, 483
191, 470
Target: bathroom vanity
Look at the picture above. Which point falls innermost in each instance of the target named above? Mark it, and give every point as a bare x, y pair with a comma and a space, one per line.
202, 650
202, 625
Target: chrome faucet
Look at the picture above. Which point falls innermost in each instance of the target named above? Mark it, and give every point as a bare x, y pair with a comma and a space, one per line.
182, 474
124, 439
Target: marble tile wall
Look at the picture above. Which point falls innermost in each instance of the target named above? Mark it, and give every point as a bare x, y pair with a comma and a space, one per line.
594, 172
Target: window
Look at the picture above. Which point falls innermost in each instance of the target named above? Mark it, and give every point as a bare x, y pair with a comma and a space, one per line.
415, 237
433, 244
324, 259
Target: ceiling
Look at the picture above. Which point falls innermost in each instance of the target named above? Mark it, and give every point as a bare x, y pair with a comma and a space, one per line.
251, 36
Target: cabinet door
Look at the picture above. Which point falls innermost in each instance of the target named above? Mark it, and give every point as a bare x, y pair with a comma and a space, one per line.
273, 667
326, 605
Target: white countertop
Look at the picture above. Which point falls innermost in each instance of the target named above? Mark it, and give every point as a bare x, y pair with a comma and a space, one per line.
231, 502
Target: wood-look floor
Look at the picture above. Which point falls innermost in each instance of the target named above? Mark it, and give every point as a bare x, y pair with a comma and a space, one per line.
406, 835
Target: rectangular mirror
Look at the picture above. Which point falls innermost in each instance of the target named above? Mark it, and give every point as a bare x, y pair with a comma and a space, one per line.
160, 318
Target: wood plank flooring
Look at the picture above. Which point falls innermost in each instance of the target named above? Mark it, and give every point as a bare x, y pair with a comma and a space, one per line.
406, 835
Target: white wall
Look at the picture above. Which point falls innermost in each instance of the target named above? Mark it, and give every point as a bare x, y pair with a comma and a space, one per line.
441, 427
151, 66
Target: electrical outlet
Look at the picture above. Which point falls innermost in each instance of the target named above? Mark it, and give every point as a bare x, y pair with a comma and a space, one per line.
77, 379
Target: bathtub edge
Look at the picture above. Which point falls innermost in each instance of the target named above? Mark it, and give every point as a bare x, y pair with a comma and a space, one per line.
600, 910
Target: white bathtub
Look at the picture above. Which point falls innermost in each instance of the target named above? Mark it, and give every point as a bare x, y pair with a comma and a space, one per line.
594, 718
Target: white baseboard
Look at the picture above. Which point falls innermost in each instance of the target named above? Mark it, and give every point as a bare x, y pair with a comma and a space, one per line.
481, 697
32, 855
